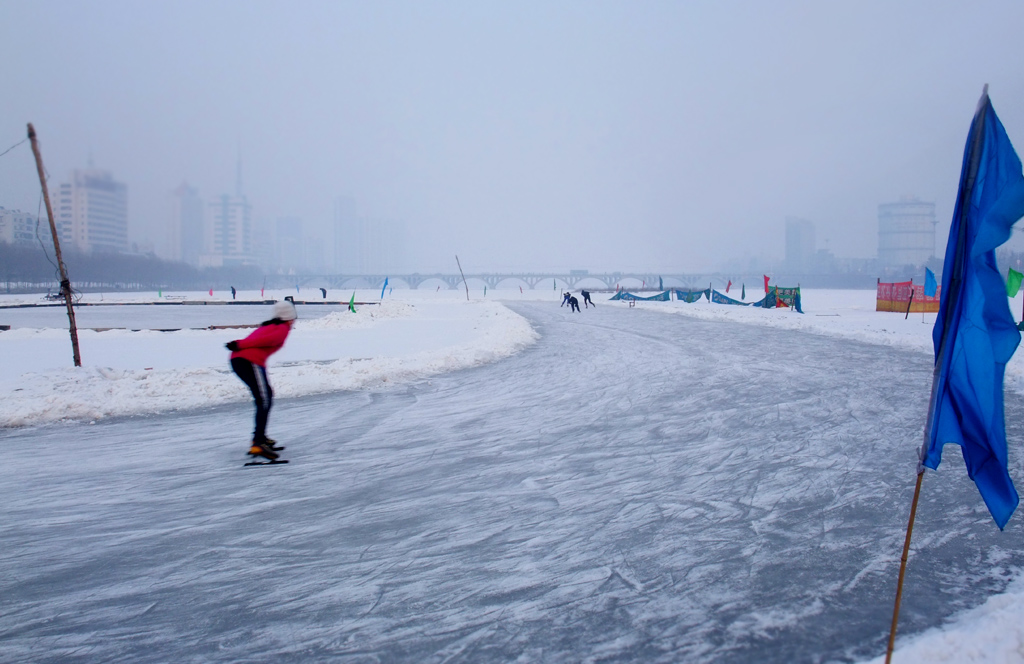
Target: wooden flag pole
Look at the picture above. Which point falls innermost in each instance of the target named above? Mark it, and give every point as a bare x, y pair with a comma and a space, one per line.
65, 283
909, 303
463, 276
903, 569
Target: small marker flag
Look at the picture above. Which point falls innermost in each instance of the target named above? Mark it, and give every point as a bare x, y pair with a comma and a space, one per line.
383, 288
974, 334
1013, 279
352, 303
728, 286
211, 292
766, 284
743, 293
929, 283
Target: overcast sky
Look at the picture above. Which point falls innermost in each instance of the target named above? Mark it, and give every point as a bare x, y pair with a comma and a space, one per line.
669, 136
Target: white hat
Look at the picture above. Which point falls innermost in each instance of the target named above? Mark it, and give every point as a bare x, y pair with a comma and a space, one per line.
285, 310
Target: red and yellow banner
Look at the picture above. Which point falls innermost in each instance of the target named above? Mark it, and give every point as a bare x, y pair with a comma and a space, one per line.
896, 296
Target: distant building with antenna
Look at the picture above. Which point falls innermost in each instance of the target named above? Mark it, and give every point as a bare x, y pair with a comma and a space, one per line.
906, 232
229, 236
91, 212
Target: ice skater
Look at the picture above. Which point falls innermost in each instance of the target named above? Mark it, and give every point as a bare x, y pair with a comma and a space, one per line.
587, 302
249, 361
565, 299
574, 304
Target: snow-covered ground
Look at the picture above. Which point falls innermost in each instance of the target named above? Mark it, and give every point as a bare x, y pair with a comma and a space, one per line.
126, 372
414, 335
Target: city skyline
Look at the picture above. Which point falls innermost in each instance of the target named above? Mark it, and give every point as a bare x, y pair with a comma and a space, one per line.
659, 136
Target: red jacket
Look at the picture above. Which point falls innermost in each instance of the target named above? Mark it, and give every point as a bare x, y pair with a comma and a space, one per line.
262, 343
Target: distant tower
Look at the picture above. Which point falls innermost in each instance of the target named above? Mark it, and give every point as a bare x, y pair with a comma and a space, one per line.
800, 244
906, 232
91, 212
186, 229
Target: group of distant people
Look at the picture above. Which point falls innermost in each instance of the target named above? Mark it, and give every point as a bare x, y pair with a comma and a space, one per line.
574, 304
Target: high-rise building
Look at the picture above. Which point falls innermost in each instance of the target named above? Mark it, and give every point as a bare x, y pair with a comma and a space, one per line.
346, 241
366, 246
289, 244
91, 212
800, 244
906, 232
229, 232
17, 227
186, 231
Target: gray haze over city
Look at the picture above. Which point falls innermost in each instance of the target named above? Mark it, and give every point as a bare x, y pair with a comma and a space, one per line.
672, 136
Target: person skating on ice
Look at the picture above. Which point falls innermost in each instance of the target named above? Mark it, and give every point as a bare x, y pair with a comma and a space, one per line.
565, 299
249, 361
574, 304
586, 299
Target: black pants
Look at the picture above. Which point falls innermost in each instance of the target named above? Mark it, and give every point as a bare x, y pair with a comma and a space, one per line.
255, 377
586, 301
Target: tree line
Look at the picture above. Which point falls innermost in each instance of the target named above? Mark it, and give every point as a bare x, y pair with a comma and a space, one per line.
28, 268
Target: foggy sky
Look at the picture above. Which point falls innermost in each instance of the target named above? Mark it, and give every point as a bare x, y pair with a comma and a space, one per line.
669, 136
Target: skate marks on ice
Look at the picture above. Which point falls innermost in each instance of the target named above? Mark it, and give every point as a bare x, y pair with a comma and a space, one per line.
634, 487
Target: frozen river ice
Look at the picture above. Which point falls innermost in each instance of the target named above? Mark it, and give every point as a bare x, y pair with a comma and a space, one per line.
633, 487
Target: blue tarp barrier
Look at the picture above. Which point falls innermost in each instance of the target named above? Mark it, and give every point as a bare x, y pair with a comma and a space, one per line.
720, 298
692, 296
660, 297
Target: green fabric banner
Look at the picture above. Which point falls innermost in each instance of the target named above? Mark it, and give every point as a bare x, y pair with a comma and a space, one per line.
1013, 279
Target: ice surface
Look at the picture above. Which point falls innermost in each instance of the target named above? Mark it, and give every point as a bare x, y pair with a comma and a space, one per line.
631, 487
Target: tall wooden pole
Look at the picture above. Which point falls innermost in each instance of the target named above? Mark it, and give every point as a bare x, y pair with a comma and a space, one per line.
463, 276
903, 568
65, 283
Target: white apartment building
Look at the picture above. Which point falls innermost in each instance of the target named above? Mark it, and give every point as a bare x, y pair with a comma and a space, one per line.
17, 227
229, 233
91, 212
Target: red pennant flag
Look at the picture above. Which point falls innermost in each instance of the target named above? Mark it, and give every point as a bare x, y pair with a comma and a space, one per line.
211, 292
766, 283
728, 286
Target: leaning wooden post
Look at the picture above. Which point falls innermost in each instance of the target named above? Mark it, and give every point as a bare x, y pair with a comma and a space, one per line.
463, 276
65, 283
903, 568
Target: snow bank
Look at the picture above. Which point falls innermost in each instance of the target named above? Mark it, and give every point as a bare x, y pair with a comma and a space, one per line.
129, 373
992, 632
845, 314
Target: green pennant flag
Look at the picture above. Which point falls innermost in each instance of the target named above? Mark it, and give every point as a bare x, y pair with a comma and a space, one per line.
743, 296
352, 303
1013, 279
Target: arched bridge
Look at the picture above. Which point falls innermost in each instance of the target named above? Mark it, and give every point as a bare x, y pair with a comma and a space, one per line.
533, 280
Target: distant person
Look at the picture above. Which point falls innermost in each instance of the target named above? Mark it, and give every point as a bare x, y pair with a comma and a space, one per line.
587, 302
574, 304
323, 291
233, 291
249, 362
565, 299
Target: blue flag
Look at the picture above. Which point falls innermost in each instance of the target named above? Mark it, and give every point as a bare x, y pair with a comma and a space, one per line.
929, 283
974, 334
384, 288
